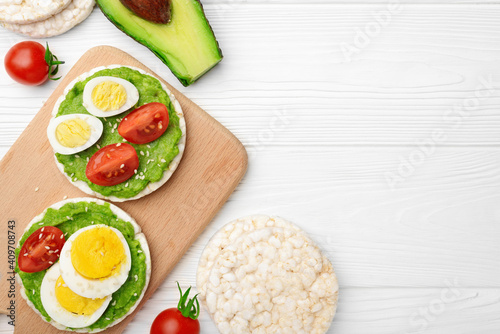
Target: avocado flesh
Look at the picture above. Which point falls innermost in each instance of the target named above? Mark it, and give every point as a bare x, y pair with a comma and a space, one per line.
186, 44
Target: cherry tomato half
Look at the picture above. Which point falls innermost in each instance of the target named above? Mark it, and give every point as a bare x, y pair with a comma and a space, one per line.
25, 63
112, 164
144, 124
41, 249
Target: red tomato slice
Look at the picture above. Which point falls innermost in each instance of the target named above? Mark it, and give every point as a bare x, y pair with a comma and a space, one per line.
144, 124
41, 249
112, 164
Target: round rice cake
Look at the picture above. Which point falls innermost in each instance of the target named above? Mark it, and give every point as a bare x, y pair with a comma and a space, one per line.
76, 12
29, 11
138, 236
172, 166
272, 280
226, 236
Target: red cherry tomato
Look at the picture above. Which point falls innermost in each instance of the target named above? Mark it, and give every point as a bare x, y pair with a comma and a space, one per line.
112, 164
180, 320
171, 321
25, 63
41, 249
144, 124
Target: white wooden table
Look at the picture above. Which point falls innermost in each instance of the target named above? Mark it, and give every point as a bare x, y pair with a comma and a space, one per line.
378, 132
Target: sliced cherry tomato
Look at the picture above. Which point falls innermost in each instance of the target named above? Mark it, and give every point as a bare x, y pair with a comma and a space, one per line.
180, 320
41, 249
112, 164
144, 124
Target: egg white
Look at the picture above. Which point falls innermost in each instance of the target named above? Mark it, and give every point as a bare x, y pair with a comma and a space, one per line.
132, 96
96, 129
88, 287
59, 313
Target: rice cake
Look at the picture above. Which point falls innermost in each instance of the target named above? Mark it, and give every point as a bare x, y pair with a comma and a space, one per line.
76, 12
29, 11
269, 280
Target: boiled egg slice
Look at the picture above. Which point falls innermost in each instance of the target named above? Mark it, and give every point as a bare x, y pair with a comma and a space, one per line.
95, 261
109, 96
66, 307
70, 134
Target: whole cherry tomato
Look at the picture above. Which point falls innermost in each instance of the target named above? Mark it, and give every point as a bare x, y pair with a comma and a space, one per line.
30, 63
180, 320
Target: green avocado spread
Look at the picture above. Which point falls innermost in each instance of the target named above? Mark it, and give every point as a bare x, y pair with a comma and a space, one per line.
154, 157
70, 218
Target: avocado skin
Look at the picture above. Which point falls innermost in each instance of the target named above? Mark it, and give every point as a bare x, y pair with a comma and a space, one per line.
179, 66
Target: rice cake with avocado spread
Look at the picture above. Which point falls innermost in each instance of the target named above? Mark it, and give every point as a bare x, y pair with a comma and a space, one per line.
120, 98
86, 219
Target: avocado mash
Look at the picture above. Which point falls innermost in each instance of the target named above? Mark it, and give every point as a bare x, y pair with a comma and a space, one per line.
154, 157
70, 218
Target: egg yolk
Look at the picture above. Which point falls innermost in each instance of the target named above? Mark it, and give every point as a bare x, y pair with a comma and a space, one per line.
97, 253
109, 95
76, 303
73, 133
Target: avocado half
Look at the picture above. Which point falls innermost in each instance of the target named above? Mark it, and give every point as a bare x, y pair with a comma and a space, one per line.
186, 44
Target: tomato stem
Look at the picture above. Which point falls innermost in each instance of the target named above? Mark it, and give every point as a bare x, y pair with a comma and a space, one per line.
52, 61
189, 310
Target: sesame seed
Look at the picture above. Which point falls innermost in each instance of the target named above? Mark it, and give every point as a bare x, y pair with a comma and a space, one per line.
71, 164
72, 174
147, 153
135, 294
88, 159
62, 236
112, 130
139, 251
92, 222
56, 251
142, 153
105, 119
135, 171
43, 229
51, 251
122, 165
114, 126
65, 197
148, 146
36, 189
86, 208
125, 118
51, 262
114, 303
136, 277
110, 124
124, 139
25, 254
163, 160
33, 291
126, 185
108, 319
47, 247
64, 286
77, 156
158, 165
98, 146
40, 223
118, 145
39, 236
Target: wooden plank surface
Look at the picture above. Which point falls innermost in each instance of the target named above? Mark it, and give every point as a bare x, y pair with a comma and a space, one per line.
172, 217
322, 132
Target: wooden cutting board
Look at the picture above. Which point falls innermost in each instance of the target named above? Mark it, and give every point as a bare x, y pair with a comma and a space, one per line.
172, 217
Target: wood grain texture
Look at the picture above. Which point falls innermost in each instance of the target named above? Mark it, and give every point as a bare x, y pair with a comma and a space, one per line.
322, 132
172, 217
